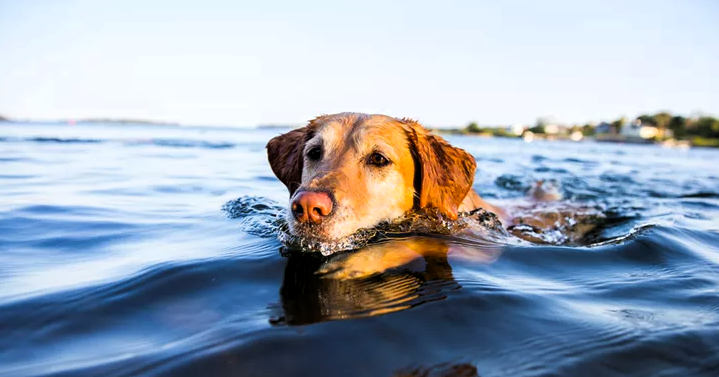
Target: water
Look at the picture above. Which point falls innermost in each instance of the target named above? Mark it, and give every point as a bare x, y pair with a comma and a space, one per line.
118, 260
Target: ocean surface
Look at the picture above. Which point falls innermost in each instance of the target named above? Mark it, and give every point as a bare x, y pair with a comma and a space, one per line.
117, 259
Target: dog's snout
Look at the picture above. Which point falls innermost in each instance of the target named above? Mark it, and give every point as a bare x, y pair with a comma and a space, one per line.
311, 206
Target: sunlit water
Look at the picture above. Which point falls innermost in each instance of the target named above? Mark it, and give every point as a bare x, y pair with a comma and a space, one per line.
117, 259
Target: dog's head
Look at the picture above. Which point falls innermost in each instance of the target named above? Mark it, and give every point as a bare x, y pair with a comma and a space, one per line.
350, 171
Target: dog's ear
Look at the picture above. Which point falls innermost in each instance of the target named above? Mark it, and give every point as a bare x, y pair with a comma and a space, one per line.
285, 153
443, 174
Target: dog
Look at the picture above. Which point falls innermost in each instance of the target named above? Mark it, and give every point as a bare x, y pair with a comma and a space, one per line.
349, 171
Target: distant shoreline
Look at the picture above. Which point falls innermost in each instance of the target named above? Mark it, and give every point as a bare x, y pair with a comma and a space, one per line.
90, 120
695, 132
130, 122
670, 143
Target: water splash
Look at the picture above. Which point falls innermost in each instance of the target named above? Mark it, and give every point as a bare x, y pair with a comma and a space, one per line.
562, 225
265, 218
559, 223
258, 216
478, 223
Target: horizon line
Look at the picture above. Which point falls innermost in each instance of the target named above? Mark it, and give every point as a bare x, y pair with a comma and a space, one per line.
158, 122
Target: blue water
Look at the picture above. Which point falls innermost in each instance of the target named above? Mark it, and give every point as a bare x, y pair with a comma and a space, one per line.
116, 259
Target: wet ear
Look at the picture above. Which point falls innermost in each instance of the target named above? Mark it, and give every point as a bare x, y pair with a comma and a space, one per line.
443, 174
285, 153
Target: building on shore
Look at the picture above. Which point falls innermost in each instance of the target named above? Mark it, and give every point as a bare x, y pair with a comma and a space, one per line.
634, 132
636, 129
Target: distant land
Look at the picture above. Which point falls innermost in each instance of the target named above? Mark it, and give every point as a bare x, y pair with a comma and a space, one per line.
129, 121
660, 128
91, 120
124, 121
664, 128
277, 126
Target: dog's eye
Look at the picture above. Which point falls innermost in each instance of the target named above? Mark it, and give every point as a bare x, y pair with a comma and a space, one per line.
377, 159
314, 154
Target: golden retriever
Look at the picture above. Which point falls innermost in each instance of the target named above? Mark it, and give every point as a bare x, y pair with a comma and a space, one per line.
350, 171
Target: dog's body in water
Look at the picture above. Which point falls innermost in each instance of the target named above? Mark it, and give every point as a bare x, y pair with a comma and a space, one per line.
350, 171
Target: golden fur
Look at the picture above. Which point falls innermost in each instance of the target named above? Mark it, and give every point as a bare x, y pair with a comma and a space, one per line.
424, 171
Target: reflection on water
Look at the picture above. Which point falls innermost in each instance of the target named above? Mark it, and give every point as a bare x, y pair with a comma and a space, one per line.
116, 260
441, 370
382, 278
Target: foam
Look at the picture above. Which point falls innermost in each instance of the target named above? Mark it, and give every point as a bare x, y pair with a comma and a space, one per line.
264, 218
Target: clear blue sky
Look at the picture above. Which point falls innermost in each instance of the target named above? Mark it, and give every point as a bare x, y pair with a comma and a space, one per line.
444, 62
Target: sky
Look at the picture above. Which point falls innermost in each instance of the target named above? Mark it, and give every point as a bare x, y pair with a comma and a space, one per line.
445, 63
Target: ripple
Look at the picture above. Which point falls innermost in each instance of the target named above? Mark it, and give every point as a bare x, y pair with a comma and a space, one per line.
116, 261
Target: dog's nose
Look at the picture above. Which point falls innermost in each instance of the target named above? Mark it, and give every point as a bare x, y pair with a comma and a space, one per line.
311, 206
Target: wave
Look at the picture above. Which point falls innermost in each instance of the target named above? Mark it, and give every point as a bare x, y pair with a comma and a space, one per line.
573, 226
160, 142
263, 218
56, 140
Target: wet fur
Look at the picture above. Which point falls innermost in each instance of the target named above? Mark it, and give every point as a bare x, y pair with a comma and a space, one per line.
425, 171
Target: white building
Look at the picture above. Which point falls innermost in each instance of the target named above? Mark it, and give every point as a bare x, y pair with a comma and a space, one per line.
518, 129
515, 129
636, 129
551, 129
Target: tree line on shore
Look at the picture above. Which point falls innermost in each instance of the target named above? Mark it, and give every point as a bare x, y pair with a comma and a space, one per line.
700, 130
